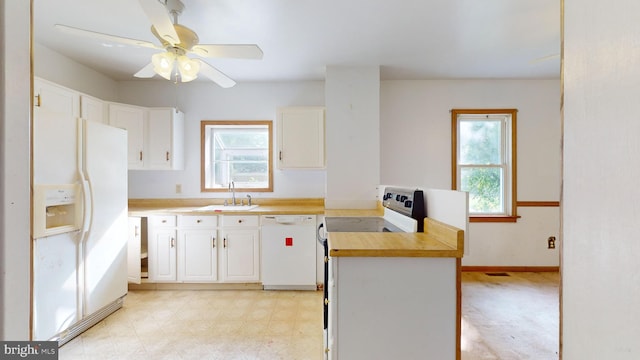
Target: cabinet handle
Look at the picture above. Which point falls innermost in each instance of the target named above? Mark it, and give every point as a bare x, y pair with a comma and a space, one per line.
224, 242
213, 242
140, 155
136, 232
37, 100
167, 156
280, 155
173, 242
239, 221
326, 301
198, 221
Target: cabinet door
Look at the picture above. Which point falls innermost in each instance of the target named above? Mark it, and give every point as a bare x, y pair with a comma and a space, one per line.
134, 252
162, 254
92, 109
197, 255
53, 98
130, 118
301, 138
241, 249
165, 139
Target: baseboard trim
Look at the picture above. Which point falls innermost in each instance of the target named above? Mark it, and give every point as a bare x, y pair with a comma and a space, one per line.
510, 268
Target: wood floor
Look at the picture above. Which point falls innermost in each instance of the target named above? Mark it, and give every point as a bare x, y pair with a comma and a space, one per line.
504, 317
510, 316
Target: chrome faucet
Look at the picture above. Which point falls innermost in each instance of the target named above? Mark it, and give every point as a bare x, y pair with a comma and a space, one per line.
249, 197
232, 188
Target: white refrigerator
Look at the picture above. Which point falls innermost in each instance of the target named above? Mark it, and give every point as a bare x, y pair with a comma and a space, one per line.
80, 224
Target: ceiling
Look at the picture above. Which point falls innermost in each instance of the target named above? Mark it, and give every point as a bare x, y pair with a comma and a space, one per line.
408, 39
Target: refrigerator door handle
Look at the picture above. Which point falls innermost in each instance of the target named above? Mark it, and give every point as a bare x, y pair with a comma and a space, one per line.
86, 213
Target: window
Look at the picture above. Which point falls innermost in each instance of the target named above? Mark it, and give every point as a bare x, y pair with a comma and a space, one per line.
238, 152
484, 162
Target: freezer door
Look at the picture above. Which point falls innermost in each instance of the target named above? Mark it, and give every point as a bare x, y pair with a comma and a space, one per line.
55, 291
105, 246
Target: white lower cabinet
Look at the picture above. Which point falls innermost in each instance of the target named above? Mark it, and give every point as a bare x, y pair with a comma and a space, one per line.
197, 249
240, 248
134, 250
185, 248
162, 248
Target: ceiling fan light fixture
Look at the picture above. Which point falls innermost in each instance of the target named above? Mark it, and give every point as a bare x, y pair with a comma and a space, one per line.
163, 64
188, 68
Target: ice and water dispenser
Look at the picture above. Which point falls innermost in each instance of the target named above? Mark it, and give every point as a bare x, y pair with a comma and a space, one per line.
57, 209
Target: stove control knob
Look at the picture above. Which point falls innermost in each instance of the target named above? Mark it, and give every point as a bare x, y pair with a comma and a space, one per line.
398, 198
408, 203
403, 198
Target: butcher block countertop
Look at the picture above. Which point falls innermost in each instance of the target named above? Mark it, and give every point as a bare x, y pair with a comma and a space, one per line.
438, 240
146, 207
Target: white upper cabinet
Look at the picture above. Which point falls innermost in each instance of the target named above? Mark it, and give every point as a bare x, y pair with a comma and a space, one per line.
132, 119
92, 109
166, 139
301, 140
155, 136
53, 98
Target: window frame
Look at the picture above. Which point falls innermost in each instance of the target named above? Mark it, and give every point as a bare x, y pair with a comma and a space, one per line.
203, 138
510, 147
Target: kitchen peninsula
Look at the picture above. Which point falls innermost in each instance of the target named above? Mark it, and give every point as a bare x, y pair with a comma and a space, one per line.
395, 295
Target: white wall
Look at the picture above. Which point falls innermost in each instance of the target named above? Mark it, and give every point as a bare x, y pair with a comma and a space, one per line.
415, 125
50, 65
353, 136
15, 154
207, 101
601, 211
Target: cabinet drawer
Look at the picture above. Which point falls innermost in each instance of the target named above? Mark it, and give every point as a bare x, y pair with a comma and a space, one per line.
197, 221
162, 220
239, 220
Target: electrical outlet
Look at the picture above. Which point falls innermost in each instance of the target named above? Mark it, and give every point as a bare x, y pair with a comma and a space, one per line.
551, 242
178, 188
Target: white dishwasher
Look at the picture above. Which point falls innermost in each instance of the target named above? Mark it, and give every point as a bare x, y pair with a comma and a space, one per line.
288, 252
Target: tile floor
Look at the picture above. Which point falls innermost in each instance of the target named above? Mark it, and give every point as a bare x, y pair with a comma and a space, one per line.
506, 317
223, 324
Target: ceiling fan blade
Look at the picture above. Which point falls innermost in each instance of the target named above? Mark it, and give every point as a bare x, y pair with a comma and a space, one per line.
215, 75
105, 37
158, 13
146, 72
238, 51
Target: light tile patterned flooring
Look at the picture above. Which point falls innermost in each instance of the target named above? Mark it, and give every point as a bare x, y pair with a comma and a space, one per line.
507, 318
222, 324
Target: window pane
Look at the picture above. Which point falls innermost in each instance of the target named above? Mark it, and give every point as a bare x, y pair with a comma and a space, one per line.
238, 153
480, 142
484, 185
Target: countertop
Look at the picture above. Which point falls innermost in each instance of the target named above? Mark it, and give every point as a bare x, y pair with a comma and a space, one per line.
438, 240
146, 207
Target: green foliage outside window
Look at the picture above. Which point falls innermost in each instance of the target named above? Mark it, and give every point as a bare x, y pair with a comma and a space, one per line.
480, 161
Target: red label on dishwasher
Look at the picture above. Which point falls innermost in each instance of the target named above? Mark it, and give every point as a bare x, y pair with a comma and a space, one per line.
288, 241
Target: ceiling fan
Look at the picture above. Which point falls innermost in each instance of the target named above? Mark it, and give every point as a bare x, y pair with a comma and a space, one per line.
177, 41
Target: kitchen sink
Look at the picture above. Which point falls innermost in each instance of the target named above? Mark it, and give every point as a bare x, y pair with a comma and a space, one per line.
227, 208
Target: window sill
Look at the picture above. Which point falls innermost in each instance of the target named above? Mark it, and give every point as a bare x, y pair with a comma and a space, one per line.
493, 219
